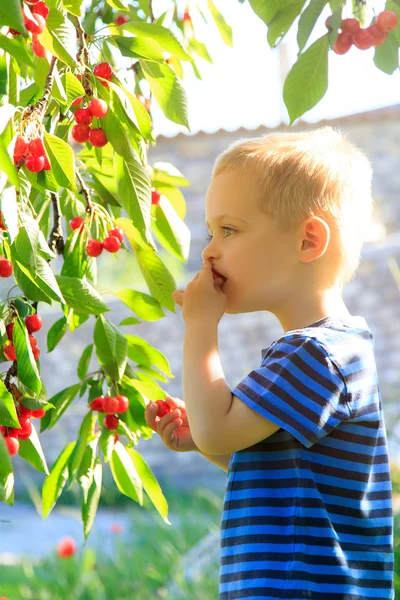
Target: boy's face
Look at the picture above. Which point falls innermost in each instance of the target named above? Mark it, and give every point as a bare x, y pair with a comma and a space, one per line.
257, 259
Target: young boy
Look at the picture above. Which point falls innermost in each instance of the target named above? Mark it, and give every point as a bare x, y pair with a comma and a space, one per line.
308, 503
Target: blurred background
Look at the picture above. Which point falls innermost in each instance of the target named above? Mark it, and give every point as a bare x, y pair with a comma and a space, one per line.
240, 95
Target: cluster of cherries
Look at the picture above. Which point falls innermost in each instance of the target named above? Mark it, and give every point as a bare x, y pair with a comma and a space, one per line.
12, 435
33, 323
112, 243
32, 153
82, 132
112, 406
35, 13
364, 38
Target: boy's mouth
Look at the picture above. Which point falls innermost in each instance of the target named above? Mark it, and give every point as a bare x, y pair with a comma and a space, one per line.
216, 274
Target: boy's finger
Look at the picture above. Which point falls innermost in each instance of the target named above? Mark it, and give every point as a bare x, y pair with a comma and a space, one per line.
168, 432
165, 420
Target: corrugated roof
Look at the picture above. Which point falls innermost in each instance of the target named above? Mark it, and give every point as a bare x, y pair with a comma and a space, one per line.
385, 113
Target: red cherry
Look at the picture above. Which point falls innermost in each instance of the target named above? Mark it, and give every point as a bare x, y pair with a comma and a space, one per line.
2, 226
21, 146
110, 405
350, 25
46, 165
155, 196
377, 33
36, 148
9, 352
38, 413
17, 160
344, 42
26, 428
97, 137
77, 101
97, 404
387, 20
111, 244
103, 70
76, 223
66, 548
118, 233
38, 49
12, 444
80, 133
33, 323
33, 341
123, 404
163, 408
186, 15
83, 116
24, 412
6, 267
121, 20
42, 9
35, 25
94, 247
111, 422
9, 330
34, 163
36, 353
32, 1
98, 107
363, 39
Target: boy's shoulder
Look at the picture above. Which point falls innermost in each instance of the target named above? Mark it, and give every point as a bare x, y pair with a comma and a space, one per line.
342, 340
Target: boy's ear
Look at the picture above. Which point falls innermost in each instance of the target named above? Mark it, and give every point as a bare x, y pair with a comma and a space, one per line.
315, 238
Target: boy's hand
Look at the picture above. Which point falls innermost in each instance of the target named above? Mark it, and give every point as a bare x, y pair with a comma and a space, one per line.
203, 299
173, 428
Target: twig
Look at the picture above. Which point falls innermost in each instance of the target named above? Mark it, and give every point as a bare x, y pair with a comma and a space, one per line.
85, 191
83, 52
56, 240
40, 106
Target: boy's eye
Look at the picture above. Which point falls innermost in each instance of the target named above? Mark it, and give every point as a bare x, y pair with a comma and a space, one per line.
209, 237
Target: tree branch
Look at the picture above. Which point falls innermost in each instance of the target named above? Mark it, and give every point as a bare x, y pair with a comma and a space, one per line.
83, 56
56, 240
40, 106
85, 191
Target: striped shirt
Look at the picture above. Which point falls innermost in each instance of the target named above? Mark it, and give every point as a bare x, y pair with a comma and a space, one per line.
307, 512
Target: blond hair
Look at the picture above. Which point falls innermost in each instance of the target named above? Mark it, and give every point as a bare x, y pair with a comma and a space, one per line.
305, 174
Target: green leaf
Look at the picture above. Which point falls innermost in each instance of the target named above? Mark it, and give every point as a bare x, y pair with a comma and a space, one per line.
31, 451
56, 333
3, 75
107, 441
11, 15
283, 20
118, 4
61, 401
6, 475
308, 20
134, 193
53, 484
172, 233
81, 296
17, 48
138, 47
168, 91
111, 348
72, 86
26, 242
28, 373
386, 56
224, 29
91, 500
150, 483
7, 166
62, 161
75, 255
169, 174
145, 306
59, 37
143, 353
163, 36
9, 209
8, 414
43, 278
85, 435
125, 474
265, 10
73, 6
307, 80
84, 361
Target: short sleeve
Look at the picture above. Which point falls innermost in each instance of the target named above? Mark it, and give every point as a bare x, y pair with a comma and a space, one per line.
299, 388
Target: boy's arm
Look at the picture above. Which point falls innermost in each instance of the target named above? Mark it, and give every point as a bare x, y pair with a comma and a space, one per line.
221, 460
